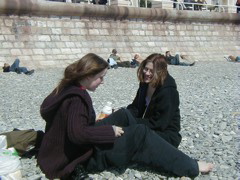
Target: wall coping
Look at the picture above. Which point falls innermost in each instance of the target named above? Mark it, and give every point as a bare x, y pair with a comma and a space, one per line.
48, 8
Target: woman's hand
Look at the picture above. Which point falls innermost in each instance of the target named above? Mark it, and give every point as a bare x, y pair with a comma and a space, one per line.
118, 131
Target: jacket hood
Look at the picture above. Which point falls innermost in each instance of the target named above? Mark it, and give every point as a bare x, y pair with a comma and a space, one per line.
52, 102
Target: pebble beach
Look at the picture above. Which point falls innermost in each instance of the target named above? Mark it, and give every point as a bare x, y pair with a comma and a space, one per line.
209, 103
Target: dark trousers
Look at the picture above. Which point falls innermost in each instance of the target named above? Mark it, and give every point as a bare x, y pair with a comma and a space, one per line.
140, 144
124, 64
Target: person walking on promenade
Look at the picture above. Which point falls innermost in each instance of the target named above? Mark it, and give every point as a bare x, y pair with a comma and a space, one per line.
74, 142
238, 6
15, 68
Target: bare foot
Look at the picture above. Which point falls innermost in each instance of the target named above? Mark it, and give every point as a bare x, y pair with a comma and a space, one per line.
205, 167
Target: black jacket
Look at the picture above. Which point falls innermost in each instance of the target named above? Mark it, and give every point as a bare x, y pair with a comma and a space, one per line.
162, 114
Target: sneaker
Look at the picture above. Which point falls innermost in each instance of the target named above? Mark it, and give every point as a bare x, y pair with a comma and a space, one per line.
30, 72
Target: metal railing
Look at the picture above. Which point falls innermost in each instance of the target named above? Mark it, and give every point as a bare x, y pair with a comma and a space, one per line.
200, 6
178, 5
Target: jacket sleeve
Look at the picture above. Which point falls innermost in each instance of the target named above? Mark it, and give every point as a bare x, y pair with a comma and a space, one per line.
78, 129
164, 110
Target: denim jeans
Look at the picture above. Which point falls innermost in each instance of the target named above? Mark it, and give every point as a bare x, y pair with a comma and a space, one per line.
176, 61
15, 66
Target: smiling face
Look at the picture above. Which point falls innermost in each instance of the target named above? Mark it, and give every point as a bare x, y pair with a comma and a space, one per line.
91, 83
148, 72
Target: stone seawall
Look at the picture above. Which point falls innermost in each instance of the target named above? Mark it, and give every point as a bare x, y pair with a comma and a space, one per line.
50, 41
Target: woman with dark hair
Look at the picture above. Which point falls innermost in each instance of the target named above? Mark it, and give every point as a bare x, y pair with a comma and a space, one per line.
73, 141
157, 101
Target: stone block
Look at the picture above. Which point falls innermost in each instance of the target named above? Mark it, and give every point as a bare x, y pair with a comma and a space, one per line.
40, 45
9, 37
1, 37
18, 44
55, 37
8, 22
78, 44
41, 24
66, 51
56, 51
65, 38
48, 51
27, 51
25, 58
75, 31
68, 24
15, 52
44, 38
56, 31
105, 25
38, 57
5, 30
70, 44
83, 31
60, 44
93, 32
47, 63
50, 24
7, 45
38, 51
4, 51
58, 24
80, 24
61, 56
103, 32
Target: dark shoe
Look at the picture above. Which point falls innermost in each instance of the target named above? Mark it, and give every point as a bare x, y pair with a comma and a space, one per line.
30, 72
79, 173
192, 64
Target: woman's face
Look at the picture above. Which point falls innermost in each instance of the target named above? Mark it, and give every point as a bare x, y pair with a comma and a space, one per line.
95, 81
148, 72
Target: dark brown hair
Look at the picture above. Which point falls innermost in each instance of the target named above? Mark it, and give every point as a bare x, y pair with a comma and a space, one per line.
89, 65
159, 69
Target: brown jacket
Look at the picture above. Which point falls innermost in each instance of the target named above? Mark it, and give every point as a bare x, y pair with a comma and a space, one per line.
70, 132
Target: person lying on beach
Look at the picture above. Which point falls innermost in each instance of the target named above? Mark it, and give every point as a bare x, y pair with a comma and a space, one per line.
15, 68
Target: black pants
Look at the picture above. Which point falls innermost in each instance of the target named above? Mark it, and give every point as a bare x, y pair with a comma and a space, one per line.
139, 144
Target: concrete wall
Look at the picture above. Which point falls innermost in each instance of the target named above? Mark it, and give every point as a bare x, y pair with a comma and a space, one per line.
41, 42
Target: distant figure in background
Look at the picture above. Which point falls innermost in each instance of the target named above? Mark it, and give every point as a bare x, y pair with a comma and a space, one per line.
112, 63
232, 58
136, 61
118, 60
174, 3
175, 60
101, 2
15, 68
238, 6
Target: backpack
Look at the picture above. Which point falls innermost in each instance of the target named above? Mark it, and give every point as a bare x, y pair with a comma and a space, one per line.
24, 141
